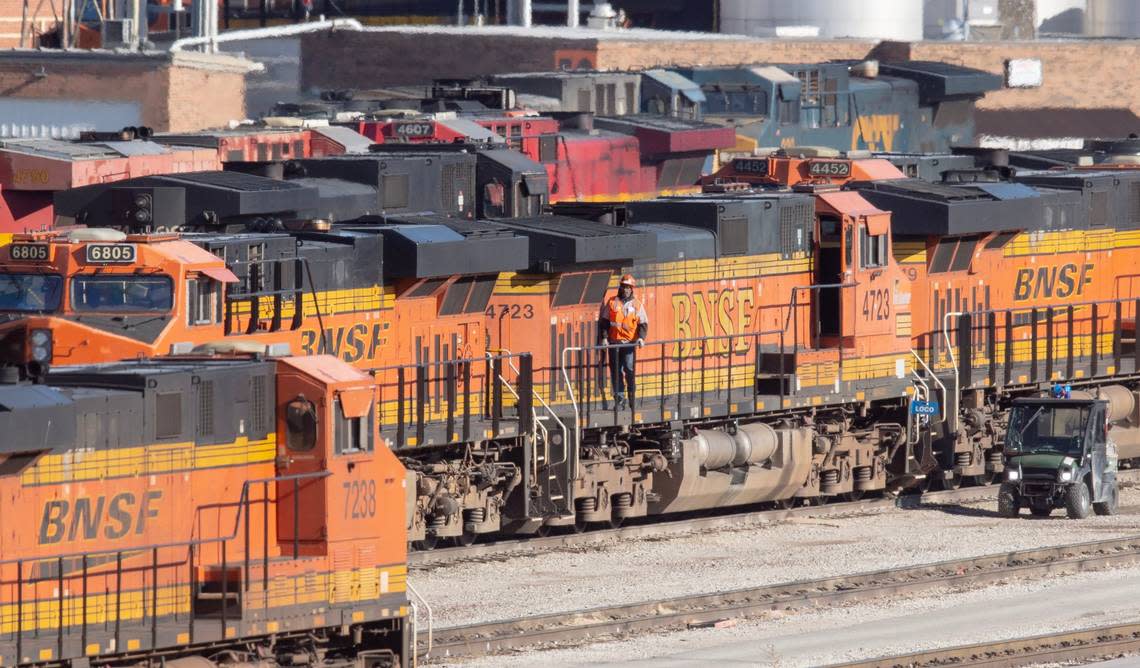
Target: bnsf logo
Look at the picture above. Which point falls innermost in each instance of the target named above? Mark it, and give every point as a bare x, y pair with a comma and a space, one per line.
1059, 282
89, 518
712, 313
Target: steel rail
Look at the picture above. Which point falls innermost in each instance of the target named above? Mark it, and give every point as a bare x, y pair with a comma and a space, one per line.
1060, 647
425, 559
681, 612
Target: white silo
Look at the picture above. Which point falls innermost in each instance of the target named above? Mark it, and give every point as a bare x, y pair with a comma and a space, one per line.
1112, 18
881, 19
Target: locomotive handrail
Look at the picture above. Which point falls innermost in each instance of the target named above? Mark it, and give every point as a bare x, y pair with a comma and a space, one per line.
153, 567
952, 415
537, 395
564, 369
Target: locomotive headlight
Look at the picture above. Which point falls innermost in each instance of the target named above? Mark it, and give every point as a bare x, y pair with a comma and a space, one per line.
1013, 475
41, 345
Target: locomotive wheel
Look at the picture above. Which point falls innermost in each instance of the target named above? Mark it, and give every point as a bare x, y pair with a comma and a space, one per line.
580, 524
543, 531
984, 479
953, 482
616, 522
853, 495
785, 504
465, 539
428, 543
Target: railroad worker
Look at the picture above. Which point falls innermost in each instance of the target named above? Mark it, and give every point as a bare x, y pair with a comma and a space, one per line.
623, 325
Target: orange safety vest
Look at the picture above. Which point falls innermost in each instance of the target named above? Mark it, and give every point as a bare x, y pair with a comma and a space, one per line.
623, 327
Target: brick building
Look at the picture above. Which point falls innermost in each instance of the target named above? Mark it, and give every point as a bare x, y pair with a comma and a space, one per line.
176, 92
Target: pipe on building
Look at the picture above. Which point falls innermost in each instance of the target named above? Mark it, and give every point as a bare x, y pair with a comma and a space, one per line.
266, 33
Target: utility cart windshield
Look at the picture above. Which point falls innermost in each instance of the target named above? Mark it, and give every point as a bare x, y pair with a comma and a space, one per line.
1051, 428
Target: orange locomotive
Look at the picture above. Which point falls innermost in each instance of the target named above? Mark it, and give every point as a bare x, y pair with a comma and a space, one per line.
791, 334
1019, 279
199, 506
404, 313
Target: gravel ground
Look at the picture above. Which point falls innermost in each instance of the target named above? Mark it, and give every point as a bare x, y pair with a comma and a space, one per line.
751, 556
765, 641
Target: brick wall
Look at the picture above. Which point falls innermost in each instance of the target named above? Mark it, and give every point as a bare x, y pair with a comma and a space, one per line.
633, 55
1079, 74
347, 59
180, 92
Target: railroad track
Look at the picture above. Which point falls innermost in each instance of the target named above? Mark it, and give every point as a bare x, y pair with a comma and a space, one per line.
578, 626
499, 549
1084, 645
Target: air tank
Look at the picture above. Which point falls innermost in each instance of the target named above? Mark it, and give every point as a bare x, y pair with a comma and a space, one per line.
882, 19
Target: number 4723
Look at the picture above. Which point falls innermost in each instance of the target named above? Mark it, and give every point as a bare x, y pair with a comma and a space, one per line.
877, 304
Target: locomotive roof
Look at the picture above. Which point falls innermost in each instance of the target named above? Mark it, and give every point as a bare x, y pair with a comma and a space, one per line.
560, 241
137, 375
72, 151
136, 402
430, 246
924, 208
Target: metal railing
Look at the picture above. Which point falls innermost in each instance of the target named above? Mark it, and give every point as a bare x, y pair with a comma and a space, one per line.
451, 395
1048, 342
97, 565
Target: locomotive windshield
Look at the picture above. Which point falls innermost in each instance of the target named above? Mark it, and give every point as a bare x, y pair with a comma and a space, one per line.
122, 293
30, 292
1046, 428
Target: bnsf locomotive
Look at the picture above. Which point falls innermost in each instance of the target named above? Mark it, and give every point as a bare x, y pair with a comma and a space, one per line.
793, 326
225, 505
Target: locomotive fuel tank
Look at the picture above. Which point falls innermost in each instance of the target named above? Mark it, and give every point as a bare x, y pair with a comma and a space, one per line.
717, 468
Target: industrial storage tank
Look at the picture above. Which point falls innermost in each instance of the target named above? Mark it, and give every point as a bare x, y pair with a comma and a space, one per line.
882, 19
1112, 18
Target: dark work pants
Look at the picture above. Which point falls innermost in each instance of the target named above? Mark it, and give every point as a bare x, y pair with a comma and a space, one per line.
623, 357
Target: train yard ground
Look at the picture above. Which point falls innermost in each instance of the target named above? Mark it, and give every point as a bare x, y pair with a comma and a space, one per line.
852, 614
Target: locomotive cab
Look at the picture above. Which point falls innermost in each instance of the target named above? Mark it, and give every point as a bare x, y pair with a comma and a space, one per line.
1058, 455
91, 295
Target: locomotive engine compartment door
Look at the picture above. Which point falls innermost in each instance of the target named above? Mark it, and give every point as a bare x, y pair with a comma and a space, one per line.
306, 431
829, 270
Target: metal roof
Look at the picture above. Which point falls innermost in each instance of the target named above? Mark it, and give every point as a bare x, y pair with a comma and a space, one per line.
676, 82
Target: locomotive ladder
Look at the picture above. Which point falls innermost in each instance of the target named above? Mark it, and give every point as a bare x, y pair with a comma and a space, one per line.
540, 434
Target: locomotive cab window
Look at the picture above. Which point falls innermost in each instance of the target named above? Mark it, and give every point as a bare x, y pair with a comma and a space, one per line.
203, 301
30, 292
123, 293
872, 249
352, 434
300, 425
